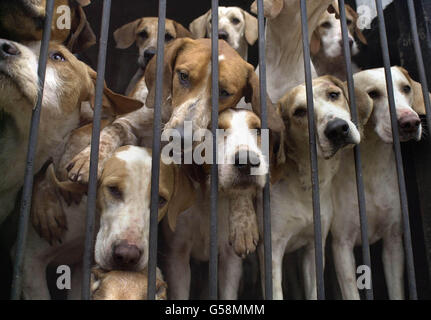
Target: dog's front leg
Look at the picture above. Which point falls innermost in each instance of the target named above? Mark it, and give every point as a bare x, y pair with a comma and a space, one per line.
230, 270
277, 269
393, 264
309, 271
344, 261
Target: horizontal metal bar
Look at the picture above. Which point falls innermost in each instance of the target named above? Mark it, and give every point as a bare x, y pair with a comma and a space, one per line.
155, 169
94, 155
31, 153
398, 157
357, 150
313, 156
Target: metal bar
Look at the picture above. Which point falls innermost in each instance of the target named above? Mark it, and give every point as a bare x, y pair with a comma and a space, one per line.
313, 156
94, 156
155, 168
357, 150
266, 191
397, 149
419, 60
213, 261
31, 152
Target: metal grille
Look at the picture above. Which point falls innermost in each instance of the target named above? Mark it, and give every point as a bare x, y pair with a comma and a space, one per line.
213, 270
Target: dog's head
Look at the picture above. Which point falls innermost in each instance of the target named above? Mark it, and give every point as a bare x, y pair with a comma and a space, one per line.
124, 206
124, 285
334, 129
328, 36
242, 163
22, 20
236, 26
68, 82
409, 102
187, 84
144, 32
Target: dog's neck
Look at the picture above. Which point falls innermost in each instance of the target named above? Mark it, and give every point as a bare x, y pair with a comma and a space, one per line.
284, 53
243, 49
332, 66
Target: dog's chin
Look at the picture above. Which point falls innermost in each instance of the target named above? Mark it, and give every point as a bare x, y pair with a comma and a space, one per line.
240, 182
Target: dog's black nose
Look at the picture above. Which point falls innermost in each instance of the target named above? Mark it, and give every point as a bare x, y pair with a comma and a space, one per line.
125, 255
337, 131
409, 124
149, 53
244, 160
223, 35
8, 49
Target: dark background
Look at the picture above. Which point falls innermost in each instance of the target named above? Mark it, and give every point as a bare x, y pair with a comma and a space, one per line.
121, 66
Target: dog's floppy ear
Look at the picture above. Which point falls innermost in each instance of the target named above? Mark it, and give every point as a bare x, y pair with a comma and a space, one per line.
315, 43
65, 186
333, 8
181, 31
82, 35
271, 8
252, 95
182, 194
171, 53
418, 97
116, 103
198, 27
358, 32
251, 28
125, 36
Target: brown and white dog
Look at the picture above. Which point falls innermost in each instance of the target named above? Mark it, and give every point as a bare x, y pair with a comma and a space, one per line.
236, 26
143, 32
236, 177
380, 179
291, 198
284, 54
68, 83
123, 204
22, 20
124, 285
327, 42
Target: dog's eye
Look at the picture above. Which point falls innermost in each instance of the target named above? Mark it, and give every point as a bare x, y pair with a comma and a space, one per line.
334, 95
235, 20
300, 112
224, 94
168, 37
326, 25
57, 56
115, 192
143, 34
407, 89
162, 202
374, 94
349, 22
184, 78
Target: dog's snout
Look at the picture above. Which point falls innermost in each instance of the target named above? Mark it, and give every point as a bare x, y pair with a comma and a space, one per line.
337, 131
223, 35
8, 49
246, 160
409, 123
149, 53
126, 255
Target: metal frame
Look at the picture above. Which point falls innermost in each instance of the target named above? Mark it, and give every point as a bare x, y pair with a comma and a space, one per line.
213, 266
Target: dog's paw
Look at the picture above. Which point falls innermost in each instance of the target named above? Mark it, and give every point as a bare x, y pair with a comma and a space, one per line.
243, 233
79, 168
47, 214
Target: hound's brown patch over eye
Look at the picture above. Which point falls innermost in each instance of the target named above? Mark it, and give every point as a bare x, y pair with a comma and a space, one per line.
57, 56
115, 192
407, 89
168, 37
326, 25
334, 95
143, 34
349, 22
184, 78
374, 94
162, 202
224, 94
235, 20
300, 112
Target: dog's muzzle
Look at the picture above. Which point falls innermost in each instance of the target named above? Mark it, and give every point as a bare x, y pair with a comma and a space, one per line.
409, 127
338, 133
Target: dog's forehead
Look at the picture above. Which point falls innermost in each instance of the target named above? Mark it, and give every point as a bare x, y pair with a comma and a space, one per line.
150, 25
238, 119
230, 11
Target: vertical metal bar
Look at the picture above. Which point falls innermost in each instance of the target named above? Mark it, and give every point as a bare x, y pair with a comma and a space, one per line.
155, 169
419, 60
313, 155
213, 262
266, 190
94, 156
357, 150
31, 152
398, 157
